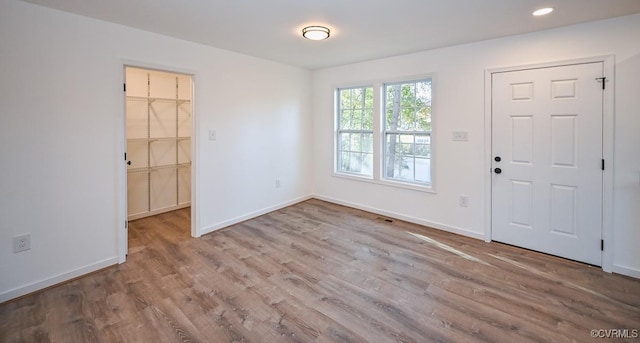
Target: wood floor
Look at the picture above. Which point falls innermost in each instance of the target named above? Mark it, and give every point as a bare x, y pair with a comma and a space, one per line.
319, 272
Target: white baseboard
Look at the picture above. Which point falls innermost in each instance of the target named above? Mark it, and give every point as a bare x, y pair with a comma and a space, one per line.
251, 215
406, 218
57, 279
625, 270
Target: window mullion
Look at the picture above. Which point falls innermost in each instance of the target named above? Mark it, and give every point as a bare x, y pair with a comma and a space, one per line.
415, 133
378, 143
355, 131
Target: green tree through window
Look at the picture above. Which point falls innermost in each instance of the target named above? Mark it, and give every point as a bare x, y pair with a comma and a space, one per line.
407, 131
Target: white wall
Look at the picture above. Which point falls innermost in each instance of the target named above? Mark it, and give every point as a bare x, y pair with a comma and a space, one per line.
459, 106
62, 143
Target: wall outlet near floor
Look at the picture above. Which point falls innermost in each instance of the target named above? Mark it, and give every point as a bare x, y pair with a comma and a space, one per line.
21, 243
464, 201
277, 183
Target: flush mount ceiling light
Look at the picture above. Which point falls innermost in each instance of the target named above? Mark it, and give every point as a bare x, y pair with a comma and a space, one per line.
315, 32
543, 11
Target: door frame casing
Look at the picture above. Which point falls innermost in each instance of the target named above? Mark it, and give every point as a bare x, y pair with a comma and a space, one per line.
607, 145
122, 146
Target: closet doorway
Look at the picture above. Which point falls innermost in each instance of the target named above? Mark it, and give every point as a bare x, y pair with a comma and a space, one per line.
158, 141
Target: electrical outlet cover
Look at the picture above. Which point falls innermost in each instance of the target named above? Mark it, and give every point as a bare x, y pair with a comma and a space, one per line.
464, 201
21, 243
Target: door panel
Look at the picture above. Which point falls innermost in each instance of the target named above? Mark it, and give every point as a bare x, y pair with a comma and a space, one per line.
547, 130
521, 203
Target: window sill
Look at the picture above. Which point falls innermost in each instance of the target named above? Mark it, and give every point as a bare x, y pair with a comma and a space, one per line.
388, 183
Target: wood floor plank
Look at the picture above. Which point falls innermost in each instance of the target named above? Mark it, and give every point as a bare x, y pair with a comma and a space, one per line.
320, 272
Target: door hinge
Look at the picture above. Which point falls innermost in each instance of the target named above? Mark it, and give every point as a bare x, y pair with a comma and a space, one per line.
125, 156
602, 80
124, 87
603, 164
602, 245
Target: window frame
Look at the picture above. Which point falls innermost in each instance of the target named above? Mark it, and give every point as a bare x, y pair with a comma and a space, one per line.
378, 134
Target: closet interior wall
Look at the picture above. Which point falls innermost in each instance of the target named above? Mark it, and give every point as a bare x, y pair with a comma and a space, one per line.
158, 125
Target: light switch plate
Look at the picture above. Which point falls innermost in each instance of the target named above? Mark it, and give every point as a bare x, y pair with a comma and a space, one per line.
460, 136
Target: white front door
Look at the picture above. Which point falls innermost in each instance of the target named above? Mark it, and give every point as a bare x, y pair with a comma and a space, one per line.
547, 167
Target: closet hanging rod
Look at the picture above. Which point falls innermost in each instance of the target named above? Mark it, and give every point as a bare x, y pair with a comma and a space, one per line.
158, 168
159, 139
152, 99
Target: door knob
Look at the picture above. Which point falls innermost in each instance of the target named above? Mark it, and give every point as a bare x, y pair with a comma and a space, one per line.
129, 162
497, 170
498, 159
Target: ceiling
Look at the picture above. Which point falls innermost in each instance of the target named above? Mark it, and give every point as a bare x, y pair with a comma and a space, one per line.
360, 29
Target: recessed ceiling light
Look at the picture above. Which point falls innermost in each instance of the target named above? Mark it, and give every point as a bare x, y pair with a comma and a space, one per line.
315, 32
543, 11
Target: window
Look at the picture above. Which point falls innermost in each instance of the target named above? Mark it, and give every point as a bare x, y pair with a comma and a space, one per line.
383, 133
355, 131
407, 132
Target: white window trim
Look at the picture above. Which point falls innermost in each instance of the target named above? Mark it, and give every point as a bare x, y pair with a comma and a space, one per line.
378, 132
